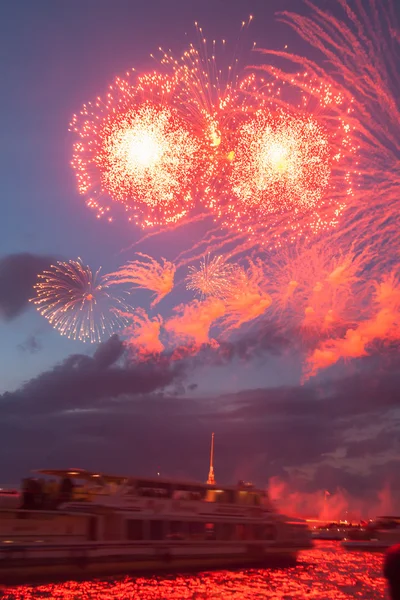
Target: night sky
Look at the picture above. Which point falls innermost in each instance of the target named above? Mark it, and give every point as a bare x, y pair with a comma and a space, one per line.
65, 403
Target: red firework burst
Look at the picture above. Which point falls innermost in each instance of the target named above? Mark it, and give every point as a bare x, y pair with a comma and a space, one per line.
135, 148
281, 162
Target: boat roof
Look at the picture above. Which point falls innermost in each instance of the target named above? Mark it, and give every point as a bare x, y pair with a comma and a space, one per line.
81, 474
85, 475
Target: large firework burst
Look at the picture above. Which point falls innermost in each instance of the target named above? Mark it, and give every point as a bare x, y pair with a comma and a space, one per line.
78, 302
361, 46
136, 149
281, 163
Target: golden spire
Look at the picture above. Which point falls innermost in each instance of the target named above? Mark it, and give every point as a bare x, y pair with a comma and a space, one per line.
211, 479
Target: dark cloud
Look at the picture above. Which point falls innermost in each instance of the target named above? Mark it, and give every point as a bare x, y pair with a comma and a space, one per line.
101, 413
31, 345
83, 381
18, 274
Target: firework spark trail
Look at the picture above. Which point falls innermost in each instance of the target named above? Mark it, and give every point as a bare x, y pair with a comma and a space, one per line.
317, 286
148, 274
192, 323
136, 149
210, 244
248, 300
362, 55
209, 97
165, 229
143, 334
383, 325
213, 278
78, 302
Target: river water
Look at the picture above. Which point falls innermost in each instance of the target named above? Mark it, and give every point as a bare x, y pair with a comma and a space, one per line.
325, 573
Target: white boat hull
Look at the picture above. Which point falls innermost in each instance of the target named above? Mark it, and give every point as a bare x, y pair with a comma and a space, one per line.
85, 560
368, 545
118, 525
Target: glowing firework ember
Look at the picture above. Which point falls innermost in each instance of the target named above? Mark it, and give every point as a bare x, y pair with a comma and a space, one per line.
143, 334
148, 274
383, 325
135, 149
214, 277
315, 287
77, 302
192, 322
248, 300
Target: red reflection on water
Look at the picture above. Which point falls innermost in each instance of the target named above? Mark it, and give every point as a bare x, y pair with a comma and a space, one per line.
325, 573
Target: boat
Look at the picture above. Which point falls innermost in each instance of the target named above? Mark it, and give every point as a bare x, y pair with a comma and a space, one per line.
9, 498
376, 536
334, 531
82, 524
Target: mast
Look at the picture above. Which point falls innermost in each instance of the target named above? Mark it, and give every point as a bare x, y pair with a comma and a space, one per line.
211, 478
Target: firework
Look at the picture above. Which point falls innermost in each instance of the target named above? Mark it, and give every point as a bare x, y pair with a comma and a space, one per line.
214, 277
210, 98
314, 287
281, 163
135, 149
78, 302
248, 300
192, 322
361, 51
382, 325
143, 334
276, 166
146, 273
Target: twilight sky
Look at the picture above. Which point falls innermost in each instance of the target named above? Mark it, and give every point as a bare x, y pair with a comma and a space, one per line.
65, 403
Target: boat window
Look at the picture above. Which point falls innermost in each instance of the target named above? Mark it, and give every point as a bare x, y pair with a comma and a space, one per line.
229, 496
196, 530
244, 531
256, 499
225, 531
243, 497
92, 529
187, 494
157, 530
177, 530
153, 492
269, 532
258, 532
265, 501
210, 533
134, 529
131, 490
220, 496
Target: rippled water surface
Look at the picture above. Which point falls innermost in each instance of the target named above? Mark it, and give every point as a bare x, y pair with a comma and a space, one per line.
327, 572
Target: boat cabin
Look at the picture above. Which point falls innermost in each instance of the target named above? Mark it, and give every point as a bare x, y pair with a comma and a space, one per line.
84, 506
77, 485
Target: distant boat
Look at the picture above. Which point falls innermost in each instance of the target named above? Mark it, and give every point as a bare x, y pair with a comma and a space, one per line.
377, 535
333, 531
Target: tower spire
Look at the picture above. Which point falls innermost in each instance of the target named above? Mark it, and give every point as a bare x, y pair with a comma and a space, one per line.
211, 478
